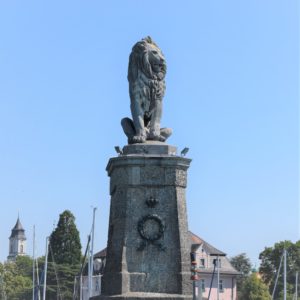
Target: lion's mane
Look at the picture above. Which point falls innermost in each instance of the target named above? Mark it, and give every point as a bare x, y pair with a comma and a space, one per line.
139, 62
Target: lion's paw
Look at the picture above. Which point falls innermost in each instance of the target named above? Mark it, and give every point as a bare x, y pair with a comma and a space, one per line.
156, 137
138, 139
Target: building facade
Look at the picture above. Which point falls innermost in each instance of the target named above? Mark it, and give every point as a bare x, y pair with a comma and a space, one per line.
17, 242
211, 264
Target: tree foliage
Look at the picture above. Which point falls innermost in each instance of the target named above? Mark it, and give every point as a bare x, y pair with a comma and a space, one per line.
64, 258
64, 241
60, 280
254, 289
270, 261
16, 280
242, 264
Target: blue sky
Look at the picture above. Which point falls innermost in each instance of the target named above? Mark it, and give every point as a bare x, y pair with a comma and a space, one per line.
232, 98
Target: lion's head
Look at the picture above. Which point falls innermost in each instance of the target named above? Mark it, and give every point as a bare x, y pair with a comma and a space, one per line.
148, 58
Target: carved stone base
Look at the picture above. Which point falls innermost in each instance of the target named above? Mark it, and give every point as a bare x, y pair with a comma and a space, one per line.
148, 242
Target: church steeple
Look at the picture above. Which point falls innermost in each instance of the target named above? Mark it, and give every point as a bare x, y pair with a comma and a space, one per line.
17, 241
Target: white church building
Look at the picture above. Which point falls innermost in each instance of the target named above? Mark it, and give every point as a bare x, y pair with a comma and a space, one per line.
17, 242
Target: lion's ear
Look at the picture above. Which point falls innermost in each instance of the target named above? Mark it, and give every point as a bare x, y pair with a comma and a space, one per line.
132, 68
148, 39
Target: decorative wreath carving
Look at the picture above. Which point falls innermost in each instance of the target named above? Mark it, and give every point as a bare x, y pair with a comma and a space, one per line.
151, 238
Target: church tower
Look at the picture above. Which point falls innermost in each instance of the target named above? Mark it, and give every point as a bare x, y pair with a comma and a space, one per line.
17, 242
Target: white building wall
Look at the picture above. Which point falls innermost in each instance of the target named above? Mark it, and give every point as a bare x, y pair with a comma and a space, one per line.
228, 292
205, 266
16, 247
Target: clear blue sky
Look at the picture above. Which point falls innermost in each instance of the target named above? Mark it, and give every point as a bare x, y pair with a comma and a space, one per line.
232, 98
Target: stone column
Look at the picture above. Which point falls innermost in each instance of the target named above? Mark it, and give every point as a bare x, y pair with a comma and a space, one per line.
148, 242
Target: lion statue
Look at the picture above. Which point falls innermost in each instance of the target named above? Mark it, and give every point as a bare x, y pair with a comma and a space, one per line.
146, 73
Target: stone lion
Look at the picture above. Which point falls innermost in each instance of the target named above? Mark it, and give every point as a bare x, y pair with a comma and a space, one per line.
146, 73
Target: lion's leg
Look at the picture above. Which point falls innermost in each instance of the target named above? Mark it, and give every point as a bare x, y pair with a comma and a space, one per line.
128, 128
138, 121
154, 133
165, 133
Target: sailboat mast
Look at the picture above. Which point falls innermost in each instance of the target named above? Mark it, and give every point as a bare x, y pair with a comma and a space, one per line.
89, 268
92, 255
45, 269
284, 275
33, 264
38, 279
218, 278
296, 286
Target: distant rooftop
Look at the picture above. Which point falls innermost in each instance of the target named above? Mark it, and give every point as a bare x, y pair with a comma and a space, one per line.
208, 248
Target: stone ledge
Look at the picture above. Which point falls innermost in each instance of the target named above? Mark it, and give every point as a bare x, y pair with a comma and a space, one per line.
150, 148
139, 296
147, 161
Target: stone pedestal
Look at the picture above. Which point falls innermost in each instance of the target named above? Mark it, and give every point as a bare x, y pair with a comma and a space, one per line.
148, 243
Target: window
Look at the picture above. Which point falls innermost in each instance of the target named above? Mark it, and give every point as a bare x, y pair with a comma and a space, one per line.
221, 287
202, 263
21, 249
202, 282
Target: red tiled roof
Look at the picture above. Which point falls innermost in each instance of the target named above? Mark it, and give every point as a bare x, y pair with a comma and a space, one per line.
209, 249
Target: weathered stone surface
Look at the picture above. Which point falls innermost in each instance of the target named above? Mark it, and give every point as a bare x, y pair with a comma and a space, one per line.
146, 75
148, 247
150, 148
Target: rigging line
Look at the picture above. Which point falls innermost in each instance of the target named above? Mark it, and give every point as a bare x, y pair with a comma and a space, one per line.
85, 254
38, 279
277, 276
55, 271
212, 278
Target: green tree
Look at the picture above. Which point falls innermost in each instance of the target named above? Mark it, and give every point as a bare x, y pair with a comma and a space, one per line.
242, 264
60, 279
64, 258
270, 261
255, 289
65, 243
24, 265
16, 280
